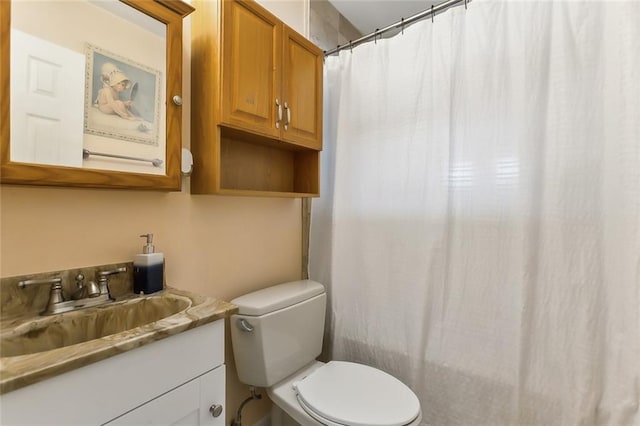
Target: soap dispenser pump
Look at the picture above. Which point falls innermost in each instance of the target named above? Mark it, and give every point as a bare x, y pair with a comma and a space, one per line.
148, 269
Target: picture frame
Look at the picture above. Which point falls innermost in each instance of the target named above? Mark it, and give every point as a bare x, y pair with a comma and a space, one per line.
122, 98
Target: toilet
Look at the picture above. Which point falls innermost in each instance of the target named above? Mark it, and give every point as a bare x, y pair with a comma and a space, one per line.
276, 336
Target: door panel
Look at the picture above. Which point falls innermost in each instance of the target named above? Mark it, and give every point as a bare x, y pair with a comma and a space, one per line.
47, 98
302, 82
187, 405
251, 73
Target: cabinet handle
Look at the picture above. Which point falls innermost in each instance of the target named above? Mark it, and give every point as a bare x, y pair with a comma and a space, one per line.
279, 114
288, 108
177, 100
215, 410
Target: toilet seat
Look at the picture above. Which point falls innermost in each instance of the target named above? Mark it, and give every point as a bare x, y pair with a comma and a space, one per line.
345, 393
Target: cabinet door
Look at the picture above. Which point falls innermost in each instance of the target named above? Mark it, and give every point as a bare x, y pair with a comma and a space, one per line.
251, 68
302, 91
187, 405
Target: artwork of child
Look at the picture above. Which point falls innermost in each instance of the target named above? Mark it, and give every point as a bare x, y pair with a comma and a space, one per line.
108, 100
122, 98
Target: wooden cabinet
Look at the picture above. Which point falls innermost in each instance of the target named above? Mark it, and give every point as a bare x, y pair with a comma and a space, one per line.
251, 69
272, 77
257, 103
302, 90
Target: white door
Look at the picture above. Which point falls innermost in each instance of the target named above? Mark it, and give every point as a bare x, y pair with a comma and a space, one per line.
47, 101
187, 405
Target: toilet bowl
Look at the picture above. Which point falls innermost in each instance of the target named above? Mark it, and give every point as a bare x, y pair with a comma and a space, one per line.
276, 336
344, 393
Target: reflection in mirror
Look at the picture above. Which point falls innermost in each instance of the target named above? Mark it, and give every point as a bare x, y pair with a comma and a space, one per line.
91, 93
84, 87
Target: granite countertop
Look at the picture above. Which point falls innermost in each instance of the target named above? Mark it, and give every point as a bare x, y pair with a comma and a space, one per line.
18, 370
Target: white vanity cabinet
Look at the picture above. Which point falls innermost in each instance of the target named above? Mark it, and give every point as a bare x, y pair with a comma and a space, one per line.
170, 381
187, 405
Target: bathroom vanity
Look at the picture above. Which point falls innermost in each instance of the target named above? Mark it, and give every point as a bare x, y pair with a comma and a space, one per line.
169, 370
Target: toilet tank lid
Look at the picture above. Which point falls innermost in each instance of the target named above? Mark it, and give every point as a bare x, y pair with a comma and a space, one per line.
277, 297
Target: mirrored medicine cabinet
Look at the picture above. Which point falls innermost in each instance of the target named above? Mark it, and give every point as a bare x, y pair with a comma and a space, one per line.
91, 93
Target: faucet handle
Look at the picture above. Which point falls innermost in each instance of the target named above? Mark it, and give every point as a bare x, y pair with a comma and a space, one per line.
55, 293
104, 274
53, 281
103, 280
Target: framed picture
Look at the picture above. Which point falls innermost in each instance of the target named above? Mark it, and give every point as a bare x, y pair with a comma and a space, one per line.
122, 98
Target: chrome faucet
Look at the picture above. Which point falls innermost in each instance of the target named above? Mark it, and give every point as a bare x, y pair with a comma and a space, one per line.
83, 291
84, 296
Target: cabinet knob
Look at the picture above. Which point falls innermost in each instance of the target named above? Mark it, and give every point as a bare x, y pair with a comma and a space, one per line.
215, 410
177, 100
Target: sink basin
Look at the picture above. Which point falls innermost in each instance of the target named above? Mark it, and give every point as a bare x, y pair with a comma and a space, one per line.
47, 333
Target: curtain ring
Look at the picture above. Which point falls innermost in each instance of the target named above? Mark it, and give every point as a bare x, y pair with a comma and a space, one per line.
465, 4
402, 25
432, 14
375, 36
350, 46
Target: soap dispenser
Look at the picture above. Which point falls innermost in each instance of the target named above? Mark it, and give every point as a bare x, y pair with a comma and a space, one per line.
148, 269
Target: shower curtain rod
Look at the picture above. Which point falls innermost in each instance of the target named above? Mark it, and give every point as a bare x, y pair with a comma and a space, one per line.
400, 24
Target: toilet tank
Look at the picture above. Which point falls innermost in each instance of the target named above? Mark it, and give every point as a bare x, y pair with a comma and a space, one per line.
277, 331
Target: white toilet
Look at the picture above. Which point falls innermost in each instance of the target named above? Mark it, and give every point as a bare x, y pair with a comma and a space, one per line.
276, 336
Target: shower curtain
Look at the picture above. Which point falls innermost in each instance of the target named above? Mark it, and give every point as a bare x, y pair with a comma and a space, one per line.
479, 225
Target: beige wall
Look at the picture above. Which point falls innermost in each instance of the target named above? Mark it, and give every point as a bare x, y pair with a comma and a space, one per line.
214, 245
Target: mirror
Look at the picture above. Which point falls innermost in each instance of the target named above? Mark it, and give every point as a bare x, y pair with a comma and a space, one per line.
94, 93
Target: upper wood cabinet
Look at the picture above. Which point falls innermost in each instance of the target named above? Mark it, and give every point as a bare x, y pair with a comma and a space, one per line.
272, 77
252, 68
257, 103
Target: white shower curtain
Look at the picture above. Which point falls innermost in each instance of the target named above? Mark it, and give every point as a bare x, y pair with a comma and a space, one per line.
479, 228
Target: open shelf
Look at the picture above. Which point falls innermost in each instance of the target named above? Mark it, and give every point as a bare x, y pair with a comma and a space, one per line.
252, 165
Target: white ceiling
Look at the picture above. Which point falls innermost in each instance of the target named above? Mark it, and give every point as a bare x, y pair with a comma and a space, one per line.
369, 15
